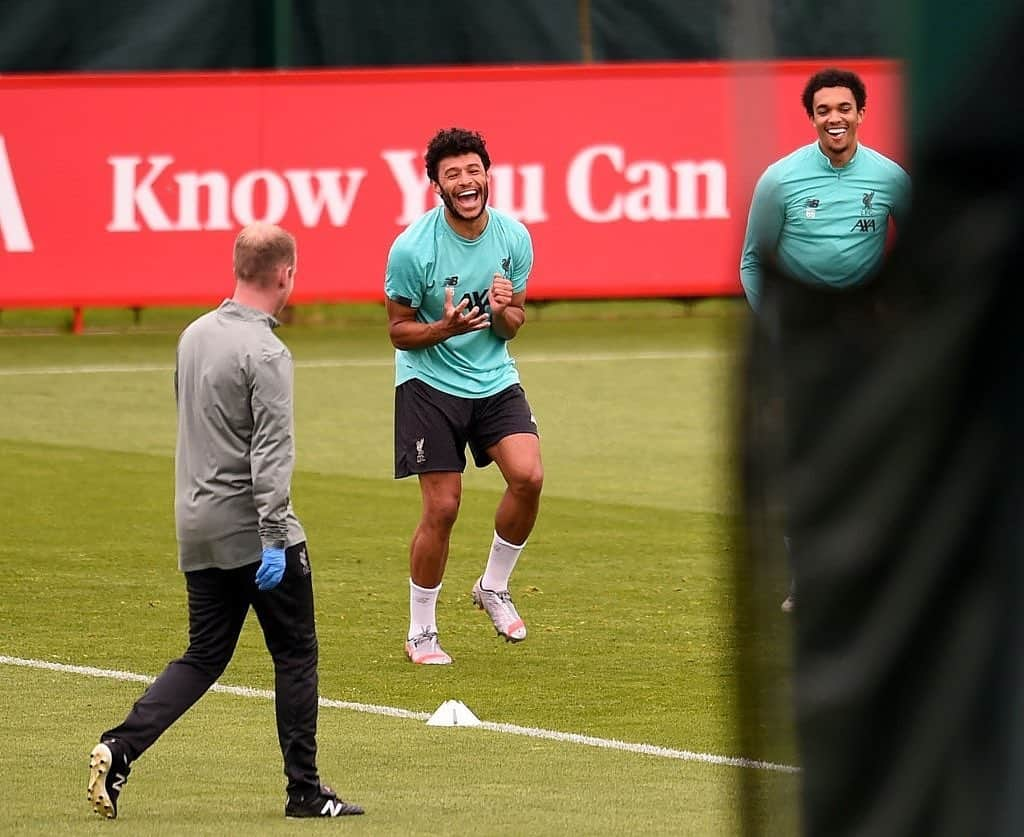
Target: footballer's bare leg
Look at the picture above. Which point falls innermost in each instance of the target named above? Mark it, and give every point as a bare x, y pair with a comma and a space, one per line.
441, 494
518, 458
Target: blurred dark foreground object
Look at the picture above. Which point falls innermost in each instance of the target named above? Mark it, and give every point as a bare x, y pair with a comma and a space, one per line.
897, 465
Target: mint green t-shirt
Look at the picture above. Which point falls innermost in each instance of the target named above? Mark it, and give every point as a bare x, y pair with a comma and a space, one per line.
824, 224
429, 256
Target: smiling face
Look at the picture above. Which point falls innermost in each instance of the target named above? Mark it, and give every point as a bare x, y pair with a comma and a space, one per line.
836, 118
463, 185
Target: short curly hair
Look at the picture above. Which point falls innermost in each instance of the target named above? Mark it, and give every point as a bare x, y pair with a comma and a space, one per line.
834, 78
451, 142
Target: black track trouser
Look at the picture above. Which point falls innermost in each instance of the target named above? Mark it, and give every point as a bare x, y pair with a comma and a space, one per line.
218, 602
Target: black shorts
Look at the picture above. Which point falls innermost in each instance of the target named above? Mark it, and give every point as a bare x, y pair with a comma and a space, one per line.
432, 428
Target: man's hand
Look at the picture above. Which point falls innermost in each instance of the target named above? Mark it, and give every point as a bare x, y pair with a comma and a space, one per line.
457, 320
271, 570
500, 294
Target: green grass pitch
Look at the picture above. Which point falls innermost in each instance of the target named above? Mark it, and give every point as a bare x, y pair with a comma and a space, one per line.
626, 586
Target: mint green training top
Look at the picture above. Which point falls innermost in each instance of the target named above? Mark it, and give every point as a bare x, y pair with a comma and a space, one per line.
825, 224
429, 256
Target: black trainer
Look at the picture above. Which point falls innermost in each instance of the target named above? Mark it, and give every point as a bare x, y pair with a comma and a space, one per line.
108, 771
323, 803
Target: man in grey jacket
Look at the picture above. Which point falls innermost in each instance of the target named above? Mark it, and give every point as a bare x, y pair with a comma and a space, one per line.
240, 544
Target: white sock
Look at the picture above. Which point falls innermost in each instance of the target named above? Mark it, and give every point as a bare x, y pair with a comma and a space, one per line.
500, 563
422, 608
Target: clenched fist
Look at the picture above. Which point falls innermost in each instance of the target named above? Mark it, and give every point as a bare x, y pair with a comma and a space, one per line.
500, 294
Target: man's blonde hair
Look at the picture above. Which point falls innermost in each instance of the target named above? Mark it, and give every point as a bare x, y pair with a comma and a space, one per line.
259, 250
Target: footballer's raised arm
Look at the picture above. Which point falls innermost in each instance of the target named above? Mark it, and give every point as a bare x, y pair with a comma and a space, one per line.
408, 332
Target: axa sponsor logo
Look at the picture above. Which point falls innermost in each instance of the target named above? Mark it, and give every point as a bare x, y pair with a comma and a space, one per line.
476, 299
13, 229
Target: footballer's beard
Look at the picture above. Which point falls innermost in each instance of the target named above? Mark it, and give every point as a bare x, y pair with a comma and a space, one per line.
453, 207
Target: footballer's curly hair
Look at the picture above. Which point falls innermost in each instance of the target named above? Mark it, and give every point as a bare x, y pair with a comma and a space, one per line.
451, 142
834, 78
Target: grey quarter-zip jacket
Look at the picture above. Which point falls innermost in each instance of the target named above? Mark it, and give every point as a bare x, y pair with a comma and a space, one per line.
235, 452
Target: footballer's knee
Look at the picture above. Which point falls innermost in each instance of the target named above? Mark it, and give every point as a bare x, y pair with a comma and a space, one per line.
528, 482
442, 512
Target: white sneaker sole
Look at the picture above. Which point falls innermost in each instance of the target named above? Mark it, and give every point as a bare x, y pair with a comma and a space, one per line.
427, 658
100, 761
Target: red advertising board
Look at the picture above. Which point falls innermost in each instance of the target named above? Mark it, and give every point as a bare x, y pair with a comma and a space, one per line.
634, 180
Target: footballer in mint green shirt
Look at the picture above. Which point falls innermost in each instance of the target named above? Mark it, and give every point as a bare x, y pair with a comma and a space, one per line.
822, 212
455, 294
429, 259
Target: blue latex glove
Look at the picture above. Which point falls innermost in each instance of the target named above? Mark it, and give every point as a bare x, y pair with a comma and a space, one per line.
271, 570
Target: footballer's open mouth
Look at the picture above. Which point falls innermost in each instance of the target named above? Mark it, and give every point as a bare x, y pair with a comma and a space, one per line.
467, 197
836, 133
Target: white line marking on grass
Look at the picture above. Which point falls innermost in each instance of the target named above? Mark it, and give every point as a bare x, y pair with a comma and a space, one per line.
569, 357
82, 370
373, 709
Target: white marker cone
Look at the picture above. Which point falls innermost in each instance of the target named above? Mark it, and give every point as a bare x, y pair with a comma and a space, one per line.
453, 713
